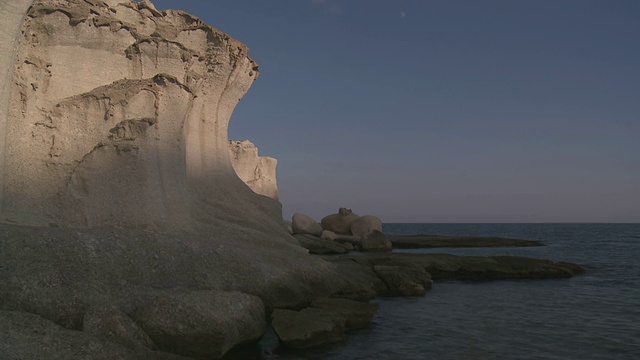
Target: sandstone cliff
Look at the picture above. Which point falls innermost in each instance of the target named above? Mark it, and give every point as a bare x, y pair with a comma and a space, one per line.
115, 105
115, 176
258, 172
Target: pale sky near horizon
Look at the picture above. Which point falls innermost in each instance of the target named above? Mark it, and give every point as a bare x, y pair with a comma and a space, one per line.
443, 111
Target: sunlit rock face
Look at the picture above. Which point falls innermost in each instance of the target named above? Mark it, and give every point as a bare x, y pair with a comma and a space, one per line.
117, 115
258, 172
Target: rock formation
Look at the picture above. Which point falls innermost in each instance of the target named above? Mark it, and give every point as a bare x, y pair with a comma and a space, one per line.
117, 115
258, 172
116, 185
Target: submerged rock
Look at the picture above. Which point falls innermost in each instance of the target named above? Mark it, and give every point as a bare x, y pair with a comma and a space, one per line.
445, 266
324, 322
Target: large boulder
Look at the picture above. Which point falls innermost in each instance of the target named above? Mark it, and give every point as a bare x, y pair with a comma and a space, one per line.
339, 223
365, 225
258, 172
203, 324
303, 224
109, 323
376, 241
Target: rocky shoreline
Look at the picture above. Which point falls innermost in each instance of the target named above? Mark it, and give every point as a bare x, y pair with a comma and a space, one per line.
125, 230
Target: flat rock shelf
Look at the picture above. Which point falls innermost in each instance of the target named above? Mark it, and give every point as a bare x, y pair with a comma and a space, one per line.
439, 241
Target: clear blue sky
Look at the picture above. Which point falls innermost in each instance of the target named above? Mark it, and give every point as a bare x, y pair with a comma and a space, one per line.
443, 111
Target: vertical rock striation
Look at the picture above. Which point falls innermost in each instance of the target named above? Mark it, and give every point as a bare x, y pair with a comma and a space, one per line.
116, 175
118, 116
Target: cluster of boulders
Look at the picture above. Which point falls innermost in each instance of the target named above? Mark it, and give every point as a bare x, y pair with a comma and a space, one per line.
340, 233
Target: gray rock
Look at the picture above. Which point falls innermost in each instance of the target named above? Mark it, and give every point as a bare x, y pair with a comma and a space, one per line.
404, 280
328, 235
305, 225
25, 336
349, 239
339, 223
307, 328
445, 266
203, 324
358, 315
109, 323
289, 226
364, 225
320, 246
376, 241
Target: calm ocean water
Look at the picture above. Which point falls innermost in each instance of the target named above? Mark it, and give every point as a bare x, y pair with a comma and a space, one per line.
592, 316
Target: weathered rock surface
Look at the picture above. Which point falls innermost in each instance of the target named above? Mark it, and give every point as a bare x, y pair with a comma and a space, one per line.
25, 336
117, 115
435, 241
375, 241
203, 324
303, 224
339, 223
258, 172
365, 225
320, 246
109, 323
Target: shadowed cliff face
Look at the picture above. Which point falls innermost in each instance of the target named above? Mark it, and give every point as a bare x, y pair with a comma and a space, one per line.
118, 115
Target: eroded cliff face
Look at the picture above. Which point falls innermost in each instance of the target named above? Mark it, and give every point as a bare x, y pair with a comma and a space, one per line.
117, 116
258, 172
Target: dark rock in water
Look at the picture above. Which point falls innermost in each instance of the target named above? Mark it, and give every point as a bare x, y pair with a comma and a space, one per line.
26, 336
109, 323
303, 224
339, 223
320, 246
405, 279
376, 241
445, 266
325, 321
203, 324
358, 315
435, 241
308, 327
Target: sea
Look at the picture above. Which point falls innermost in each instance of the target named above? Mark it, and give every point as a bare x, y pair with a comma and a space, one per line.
590, 316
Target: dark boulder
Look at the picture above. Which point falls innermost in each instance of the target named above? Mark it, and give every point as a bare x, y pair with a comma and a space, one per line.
203, 324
